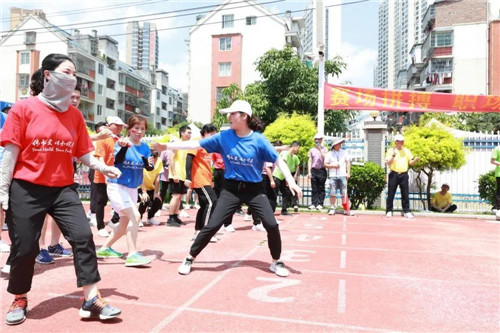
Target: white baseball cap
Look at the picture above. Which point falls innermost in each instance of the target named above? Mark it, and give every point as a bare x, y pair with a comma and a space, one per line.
399, 137
238, 106
114, 120
318, 136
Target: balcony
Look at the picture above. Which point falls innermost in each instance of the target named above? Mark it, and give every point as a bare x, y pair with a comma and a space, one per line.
429, 18
85, 72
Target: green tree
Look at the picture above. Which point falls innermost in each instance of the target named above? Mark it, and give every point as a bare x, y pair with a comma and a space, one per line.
365, 185
466, 121
289, 128
228, 95
437, 149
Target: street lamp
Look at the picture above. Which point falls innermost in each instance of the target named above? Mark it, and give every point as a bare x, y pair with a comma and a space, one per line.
374, 114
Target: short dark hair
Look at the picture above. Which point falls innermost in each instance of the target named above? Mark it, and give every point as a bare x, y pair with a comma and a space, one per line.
183, 129
6, 109
208, 128
277, 143
295, 143
99, 125
78, 87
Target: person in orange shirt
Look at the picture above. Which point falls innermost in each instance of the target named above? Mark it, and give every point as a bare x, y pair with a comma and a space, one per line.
199, 178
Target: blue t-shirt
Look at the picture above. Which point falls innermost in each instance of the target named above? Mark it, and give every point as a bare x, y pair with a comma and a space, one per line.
243, 157
132, 166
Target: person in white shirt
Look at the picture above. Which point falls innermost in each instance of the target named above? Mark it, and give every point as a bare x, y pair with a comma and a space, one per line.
338, 163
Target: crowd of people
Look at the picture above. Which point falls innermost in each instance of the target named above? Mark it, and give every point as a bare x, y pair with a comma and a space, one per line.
44, 136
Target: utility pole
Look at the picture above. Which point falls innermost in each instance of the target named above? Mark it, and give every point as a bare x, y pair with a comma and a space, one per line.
321, 64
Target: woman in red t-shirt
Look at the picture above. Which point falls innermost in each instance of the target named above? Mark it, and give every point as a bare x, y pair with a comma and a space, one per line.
41, 136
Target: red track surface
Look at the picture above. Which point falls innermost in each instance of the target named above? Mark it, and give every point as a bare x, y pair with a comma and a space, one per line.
363, 273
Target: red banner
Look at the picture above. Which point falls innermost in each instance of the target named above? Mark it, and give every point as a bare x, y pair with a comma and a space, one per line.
352, 98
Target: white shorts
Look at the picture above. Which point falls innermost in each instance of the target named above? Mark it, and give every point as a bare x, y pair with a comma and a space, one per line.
121, 197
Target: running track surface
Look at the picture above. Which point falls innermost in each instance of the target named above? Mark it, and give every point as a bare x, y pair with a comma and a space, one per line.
352, 274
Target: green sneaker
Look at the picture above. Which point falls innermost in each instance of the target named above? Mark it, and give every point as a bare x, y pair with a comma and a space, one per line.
104, 253
136, 260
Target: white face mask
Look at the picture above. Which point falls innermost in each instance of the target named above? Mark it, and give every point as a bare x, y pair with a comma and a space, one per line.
57, 91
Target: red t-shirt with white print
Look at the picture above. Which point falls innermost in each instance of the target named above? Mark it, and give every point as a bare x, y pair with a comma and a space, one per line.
48, 141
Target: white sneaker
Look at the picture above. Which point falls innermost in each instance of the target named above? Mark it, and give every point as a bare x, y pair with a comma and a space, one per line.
295, 209
213, 240
248, 217
408, 215
153, 221
141, 224
258, 227
93, 221
319, 207
183, 214
4, 247
279, 268
388, 214
497, 215
312, 207
89, 214
6, 269
196, 206
348, 213
103, 233
331, 211
229, 228
158, 213
185, 267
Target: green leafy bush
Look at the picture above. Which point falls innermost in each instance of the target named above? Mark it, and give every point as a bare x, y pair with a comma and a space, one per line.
296, 127
366, 184
488, 187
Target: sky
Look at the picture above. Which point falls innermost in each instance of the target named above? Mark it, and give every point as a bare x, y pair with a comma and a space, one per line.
359, 28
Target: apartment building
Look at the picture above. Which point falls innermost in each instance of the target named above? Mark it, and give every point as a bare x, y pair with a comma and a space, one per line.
224, 46
142, 45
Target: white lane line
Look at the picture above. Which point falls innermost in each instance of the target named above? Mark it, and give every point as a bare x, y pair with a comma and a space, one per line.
398, 277
344, 225
343, 259
344, 238
200, 293
238, 315
390, 250
341, 297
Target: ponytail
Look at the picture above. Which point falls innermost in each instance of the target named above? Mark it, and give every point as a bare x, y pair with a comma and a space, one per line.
36, 85
255, 124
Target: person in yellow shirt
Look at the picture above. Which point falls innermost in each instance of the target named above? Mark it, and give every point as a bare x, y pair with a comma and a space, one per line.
149, 192
441, 201
399, 159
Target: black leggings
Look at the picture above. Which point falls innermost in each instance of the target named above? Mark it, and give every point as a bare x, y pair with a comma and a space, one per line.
208, 201
153, 203
28, 205
233, 194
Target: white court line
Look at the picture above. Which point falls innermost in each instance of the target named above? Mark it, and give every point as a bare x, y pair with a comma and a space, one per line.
343, 259
389, 250
341, 297
239, 315
397, 277
344, 225
344, 239
200, 293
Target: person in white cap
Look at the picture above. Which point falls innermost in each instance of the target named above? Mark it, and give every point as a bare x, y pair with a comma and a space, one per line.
399, 159
317, 172
244, 151
338, 163
442, 202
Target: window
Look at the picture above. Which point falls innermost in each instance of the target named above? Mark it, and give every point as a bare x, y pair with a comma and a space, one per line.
30, 38
442, 39
163, 105
157, 110
25, 58
225, 44
251, 20
110, 84
99, 89
24, 80
443, 65
157, 94
224, 69
169, 100
100, 69
227, 21
218, 93
164, 90
99, 110
110, 104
